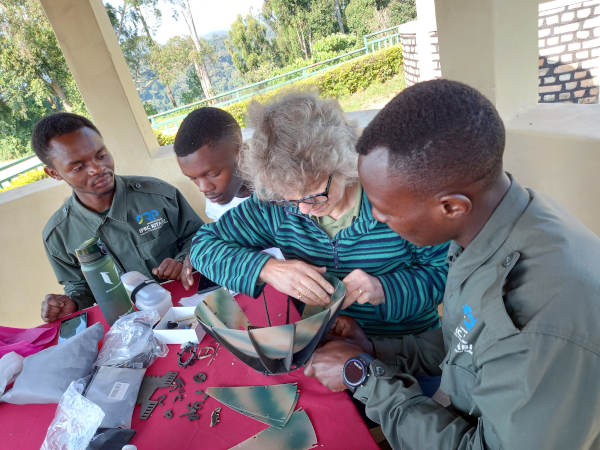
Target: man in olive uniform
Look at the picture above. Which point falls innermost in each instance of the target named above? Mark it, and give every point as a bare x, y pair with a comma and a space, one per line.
519, 347
146, 223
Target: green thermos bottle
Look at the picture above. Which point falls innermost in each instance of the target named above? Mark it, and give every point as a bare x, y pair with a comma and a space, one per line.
101, 274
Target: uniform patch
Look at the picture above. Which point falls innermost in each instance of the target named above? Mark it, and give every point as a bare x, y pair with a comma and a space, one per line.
148, 216
461, 331
152, 220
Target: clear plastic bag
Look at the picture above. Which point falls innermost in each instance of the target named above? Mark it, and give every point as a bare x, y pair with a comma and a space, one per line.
131, 343
76, 421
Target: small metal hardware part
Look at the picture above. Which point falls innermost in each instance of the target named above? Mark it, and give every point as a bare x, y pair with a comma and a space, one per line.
191, 412
200, 392
213, 355
161, 399
192, 348
178, 396
168, 414
205, 352
177, 384
214, 417
200, 377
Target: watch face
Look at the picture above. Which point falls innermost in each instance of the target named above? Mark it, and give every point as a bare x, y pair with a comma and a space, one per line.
354, 371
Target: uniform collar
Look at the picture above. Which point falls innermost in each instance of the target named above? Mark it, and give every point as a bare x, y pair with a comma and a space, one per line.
118, 209
491, 237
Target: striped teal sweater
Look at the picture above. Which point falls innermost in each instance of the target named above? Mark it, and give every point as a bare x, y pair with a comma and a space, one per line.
413, 278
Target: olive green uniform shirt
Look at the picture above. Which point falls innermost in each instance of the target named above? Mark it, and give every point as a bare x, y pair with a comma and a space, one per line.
519, 347
149, 220
333, 226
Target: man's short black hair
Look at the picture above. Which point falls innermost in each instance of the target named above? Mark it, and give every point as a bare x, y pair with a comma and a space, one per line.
440, 134
206, 126
55, 125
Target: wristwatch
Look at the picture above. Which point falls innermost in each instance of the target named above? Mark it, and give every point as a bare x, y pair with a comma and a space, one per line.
356, 371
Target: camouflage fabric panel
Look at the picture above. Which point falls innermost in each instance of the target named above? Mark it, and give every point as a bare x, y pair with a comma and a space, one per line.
298, 434
273, 402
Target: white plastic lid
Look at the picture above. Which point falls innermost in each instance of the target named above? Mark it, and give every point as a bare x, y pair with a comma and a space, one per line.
152, 296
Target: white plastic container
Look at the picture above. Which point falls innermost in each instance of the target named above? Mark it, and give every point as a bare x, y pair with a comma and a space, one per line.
151, 296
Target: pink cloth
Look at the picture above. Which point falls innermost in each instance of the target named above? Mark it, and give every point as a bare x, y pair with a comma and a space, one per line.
24, 342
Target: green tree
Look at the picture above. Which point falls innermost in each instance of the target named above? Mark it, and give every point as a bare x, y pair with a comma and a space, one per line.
402, 11
31, 59
248, 44
204, 52
34, 76
171, 60
194, 91
135, 36
323, 19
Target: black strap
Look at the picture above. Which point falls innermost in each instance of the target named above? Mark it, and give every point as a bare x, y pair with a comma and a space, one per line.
142, 285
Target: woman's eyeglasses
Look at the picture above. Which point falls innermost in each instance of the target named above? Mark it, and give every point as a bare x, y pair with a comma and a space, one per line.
315, 199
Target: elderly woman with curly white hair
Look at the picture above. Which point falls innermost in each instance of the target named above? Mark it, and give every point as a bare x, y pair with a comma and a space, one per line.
308, 201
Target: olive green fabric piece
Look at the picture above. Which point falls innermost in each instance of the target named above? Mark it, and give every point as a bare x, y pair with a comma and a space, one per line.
519, 348
149, 220
333, 226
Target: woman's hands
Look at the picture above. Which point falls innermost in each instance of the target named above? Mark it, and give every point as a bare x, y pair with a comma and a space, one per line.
362, 288
297, 279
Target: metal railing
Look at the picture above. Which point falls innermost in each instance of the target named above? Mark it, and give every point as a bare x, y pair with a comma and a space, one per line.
14, 163
18, 161
172, 124
390, 39
4, 180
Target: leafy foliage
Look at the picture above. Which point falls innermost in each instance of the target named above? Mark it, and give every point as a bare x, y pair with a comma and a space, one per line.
170, 60
333, 45
248, 44
150, 109
34, 77
164, 139
340, 81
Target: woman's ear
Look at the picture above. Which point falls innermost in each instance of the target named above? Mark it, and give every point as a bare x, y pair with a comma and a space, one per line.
455, 206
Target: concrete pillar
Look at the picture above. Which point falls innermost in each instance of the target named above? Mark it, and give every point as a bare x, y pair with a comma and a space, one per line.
92, 52
425, 50
492, 45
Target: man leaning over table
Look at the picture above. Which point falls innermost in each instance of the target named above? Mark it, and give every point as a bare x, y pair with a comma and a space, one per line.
520, 343
207, 147
146, 223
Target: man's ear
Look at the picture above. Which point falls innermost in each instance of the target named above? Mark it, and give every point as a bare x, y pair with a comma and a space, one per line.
52, 173
455, 206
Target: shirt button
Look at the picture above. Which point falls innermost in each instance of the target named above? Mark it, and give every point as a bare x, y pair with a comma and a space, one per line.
64, 209
507, 260
138, 185
380, 370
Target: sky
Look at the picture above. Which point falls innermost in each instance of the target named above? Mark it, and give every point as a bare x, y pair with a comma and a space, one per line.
209, 16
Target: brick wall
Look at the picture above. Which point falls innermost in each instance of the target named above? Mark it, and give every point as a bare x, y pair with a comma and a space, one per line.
436, 54
569, 43
411, 64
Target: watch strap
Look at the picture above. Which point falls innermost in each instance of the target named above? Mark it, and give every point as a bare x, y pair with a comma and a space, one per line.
366, 358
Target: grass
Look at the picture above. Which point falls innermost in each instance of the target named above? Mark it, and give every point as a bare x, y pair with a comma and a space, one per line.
375, 96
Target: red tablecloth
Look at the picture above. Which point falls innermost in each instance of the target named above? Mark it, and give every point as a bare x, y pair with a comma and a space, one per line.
334, 417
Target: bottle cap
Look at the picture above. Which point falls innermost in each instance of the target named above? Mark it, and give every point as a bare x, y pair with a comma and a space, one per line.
90, 250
